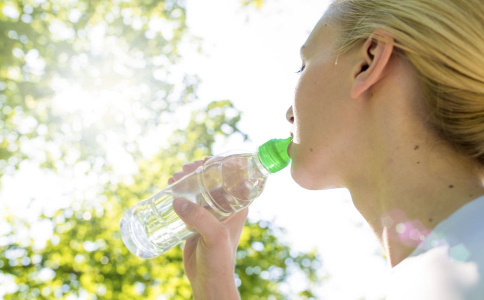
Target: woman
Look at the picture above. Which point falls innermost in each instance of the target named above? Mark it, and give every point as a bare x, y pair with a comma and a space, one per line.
390, 104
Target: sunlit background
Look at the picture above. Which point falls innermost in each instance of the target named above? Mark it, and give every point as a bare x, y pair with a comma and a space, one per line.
100, 102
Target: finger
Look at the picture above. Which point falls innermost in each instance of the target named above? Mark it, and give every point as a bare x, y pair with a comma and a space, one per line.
173, 179
235, 224
202, 221
187, 169
189, 248
237, 219
190, 167
178, 175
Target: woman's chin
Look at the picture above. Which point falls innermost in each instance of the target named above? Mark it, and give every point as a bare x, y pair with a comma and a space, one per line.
306, 182
310, 182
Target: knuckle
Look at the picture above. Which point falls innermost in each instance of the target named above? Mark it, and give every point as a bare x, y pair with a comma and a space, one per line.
245, 212
190, 227
198, 213
178, 175
188, 167
223, 234
192, 165
220, 236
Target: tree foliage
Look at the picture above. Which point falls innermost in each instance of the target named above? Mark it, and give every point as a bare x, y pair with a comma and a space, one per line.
256, 3
76, 76
72, 72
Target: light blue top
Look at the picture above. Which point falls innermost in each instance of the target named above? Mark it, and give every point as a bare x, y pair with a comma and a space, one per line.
448, 264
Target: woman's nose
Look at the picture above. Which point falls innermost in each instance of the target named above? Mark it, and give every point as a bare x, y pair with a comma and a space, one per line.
290, 115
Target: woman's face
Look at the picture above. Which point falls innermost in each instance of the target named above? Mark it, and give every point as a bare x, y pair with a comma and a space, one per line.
321, 113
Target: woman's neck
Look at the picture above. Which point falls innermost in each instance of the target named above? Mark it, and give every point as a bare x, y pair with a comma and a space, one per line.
407, 191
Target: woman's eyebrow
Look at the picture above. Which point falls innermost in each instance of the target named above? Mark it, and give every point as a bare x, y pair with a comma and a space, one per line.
301, 51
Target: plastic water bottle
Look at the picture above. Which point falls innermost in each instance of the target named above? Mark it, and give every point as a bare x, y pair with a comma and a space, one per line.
224, 185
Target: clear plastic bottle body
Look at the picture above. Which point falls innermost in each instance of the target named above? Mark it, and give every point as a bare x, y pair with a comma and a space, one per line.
224, 185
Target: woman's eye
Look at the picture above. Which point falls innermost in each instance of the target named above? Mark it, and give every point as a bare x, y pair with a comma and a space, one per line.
302, 69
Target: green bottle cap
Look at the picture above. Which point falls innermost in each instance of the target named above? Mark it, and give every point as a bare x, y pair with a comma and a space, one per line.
273, 154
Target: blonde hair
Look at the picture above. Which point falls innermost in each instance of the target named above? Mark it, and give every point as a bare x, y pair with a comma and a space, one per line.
444, 41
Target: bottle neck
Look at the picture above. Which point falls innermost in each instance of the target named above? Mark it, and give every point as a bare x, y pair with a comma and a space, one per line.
260, 165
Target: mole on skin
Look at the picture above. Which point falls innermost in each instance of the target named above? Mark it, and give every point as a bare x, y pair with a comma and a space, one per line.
416, 147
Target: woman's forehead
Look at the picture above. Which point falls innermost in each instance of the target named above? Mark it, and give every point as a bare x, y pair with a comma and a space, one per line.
320, 36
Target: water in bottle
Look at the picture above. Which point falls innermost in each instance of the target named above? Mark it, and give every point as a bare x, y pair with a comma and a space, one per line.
224, 185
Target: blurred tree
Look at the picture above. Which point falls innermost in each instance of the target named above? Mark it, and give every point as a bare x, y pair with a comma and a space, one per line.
256, 3
92, 263
78, 77
73, 73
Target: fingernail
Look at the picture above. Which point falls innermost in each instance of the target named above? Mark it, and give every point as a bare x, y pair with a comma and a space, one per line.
180, 205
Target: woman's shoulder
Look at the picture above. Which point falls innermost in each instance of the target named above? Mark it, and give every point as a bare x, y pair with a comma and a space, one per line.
449, 264
435, 274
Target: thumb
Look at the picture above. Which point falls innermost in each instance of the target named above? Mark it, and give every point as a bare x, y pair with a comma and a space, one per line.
201, 220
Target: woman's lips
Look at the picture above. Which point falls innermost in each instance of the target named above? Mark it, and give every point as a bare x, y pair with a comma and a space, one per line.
289, 149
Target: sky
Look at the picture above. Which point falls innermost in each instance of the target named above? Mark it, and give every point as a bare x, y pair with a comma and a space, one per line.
251, 58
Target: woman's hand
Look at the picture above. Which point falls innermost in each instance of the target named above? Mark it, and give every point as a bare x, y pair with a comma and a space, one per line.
209, 257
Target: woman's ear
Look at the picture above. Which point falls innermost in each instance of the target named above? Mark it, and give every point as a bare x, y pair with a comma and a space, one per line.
371, 66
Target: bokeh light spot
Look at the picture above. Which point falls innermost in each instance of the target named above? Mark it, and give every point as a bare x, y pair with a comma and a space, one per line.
460, 253
387, 221
401, 228
86, 216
